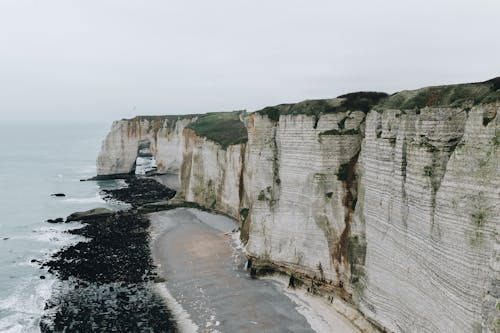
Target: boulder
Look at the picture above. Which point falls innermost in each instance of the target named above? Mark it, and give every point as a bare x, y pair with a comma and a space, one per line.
90, 214
57, 220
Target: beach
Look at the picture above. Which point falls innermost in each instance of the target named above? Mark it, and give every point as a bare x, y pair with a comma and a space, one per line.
201, 259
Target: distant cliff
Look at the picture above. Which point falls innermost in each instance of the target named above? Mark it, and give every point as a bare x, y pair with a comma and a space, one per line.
388, 202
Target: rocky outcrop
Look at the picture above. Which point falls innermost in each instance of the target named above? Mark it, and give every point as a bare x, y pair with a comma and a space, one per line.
120, 149
95, 213
390, 203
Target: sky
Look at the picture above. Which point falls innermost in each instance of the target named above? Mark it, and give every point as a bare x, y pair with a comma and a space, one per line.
103, 60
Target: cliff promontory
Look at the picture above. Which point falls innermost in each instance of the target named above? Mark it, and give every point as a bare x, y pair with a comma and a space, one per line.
388, 203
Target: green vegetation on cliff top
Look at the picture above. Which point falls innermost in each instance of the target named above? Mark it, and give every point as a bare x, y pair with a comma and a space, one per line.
358, 101
455, 95
163, 117
224, 128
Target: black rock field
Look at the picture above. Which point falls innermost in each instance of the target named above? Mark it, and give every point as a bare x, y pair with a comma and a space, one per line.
140, 191
107, 281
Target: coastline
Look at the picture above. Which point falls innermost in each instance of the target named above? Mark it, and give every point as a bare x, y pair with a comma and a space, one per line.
61, 154
195, 250
195, 277
106, 282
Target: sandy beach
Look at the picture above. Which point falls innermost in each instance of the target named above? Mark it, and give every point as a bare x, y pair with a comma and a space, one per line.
198, 256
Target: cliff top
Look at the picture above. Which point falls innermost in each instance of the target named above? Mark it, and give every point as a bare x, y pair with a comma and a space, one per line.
224, 128
361, 101
162, 117
437, 96
444, 96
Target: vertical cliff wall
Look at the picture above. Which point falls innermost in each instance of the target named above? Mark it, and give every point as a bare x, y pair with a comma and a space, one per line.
300, 198
210, 174
391, 205
427, 217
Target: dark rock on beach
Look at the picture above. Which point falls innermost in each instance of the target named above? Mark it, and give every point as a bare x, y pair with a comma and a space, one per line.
108, 308
141, 191
108, 280
118, 250
57, 220
95, 213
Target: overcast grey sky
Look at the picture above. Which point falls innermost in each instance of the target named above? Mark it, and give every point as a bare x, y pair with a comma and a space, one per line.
78, 60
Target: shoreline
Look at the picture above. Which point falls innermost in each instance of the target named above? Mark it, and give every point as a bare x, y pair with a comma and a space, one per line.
211, 250
108, 281
196, 268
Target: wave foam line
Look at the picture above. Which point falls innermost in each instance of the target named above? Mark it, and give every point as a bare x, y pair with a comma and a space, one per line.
182, 318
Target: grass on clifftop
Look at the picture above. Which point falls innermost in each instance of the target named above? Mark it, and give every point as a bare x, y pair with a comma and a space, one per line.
445, 96
163, 117
224, 128
358, 101
456, 95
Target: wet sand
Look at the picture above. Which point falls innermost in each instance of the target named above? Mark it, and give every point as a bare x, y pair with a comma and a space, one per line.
205, 273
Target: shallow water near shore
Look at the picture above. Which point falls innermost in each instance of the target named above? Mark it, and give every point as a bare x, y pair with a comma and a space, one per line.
38, 160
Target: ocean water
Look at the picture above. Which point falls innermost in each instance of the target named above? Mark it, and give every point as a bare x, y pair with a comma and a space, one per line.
36, 161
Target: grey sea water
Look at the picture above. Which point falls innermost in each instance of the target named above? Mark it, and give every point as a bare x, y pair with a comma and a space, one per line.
38, 160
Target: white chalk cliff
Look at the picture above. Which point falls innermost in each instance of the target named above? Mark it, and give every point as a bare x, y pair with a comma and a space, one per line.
393, 209
121, 146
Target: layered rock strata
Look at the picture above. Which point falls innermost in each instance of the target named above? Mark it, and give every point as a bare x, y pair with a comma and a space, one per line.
391, 205
427, 219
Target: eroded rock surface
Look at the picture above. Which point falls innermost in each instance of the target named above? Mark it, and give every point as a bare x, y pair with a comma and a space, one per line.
393, 207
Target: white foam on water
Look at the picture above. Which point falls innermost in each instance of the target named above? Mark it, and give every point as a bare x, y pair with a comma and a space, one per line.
237, 243
56, 238
53, 235
95, 199
21, 311
182, 318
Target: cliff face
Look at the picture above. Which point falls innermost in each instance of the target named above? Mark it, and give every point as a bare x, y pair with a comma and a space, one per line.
427, 217
210, 175
300, 195
392, 207
120, 147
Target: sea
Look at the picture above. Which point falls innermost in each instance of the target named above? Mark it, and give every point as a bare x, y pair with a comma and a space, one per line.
38, 160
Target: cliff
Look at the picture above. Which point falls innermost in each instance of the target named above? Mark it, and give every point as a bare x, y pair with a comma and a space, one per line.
120, 149
389, 203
